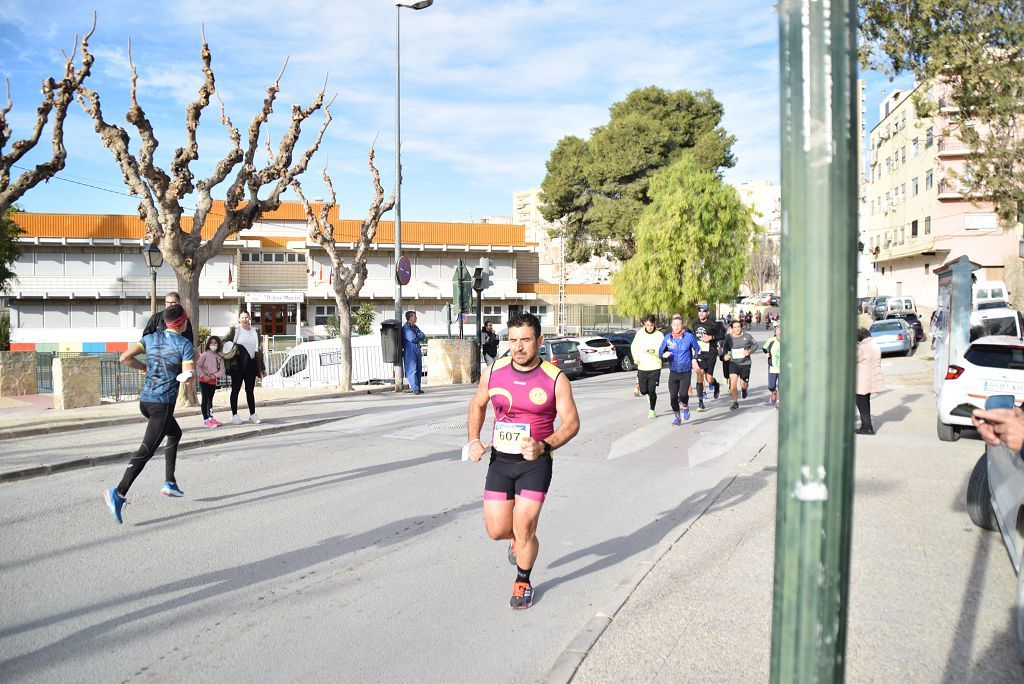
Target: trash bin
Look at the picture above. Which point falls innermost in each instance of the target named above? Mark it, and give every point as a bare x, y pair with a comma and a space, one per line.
391, 341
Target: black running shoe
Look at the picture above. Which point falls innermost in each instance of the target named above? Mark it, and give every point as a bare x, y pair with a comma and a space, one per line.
743, 392
522, 595
718, 389
734, 406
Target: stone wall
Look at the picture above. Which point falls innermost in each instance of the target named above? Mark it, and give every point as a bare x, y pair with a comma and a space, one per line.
76, 382
450, 362
17, 373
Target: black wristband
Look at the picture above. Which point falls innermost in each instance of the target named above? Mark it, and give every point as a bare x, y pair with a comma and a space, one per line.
547, 448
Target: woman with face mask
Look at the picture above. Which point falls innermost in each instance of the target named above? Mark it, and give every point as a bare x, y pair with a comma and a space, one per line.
209, 370
246, 365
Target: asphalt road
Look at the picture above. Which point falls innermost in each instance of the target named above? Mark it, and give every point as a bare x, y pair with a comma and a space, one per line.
353, 551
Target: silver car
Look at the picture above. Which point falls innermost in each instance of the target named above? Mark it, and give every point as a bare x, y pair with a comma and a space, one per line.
893, 335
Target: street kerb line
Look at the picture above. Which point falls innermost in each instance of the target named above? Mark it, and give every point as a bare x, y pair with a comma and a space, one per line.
29, 472
569, 661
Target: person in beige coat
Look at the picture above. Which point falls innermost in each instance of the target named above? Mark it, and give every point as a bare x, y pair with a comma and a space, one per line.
869, 378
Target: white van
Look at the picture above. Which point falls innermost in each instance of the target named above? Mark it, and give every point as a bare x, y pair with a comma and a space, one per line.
1000, 321
318, 364
990, 294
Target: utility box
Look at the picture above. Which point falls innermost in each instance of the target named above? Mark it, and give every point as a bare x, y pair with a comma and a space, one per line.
391, 341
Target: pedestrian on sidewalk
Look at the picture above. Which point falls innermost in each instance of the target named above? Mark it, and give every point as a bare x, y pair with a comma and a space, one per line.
644, 349
168, 354
773, 348
869, 378
156, 321
527, 394
210, 369
737, 349
245, 365
413, 352
489, 345
680, 348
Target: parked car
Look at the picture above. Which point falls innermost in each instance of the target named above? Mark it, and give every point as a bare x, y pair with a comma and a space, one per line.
996, 321
914, 322
883, 306
597, 353
990, 365
622, 341
864, 305
563, 353
995, 501
893, 336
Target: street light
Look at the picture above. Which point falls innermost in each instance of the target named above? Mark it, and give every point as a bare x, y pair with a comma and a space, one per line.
417, 5
154, 259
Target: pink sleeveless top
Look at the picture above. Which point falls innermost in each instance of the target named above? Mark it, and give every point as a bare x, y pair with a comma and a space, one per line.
524, 396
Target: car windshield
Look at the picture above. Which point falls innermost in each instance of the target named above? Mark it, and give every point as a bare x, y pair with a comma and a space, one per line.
598, 342
561, 348
996, 356
886, 327
995, 326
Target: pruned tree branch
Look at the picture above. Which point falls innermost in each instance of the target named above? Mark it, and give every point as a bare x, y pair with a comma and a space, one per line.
57, 96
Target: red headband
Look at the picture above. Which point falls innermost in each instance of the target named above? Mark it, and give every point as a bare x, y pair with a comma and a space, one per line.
178, 323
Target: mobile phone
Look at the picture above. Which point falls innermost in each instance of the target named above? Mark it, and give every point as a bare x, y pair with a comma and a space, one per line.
964, 410
999, 401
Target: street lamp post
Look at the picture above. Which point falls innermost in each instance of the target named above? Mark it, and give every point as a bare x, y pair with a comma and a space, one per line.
154, 259
417, 5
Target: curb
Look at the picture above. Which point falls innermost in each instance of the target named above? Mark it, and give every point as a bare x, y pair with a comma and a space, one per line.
70, 425
78, 463
570, 659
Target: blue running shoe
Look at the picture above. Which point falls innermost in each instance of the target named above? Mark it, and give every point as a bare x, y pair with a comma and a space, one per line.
115, 502
171, 489
676, 420
686, 413
718, 389
522, 596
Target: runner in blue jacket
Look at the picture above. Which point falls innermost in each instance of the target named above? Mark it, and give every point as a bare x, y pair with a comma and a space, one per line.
680, 348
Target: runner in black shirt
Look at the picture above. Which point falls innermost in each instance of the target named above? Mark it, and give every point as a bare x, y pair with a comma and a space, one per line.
709, 334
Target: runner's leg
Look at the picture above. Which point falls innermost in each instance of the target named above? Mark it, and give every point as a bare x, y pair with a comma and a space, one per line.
673, 390
157, 415
173, 431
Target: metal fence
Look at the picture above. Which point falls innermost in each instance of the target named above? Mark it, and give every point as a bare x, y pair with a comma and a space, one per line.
117, 381
320, 366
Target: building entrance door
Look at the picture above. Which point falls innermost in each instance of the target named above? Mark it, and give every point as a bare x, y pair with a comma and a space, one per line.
274, 319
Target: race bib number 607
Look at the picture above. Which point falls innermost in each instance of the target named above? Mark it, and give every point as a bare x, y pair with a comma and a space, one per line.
507, 436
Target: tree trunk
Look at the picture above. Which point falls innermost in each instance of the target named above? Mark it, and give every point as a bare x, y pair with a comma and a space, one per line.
345, 337
188, 288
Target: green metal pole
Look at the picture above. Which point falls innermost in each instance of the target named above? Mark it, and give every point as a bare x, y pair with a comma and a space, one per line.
819, 227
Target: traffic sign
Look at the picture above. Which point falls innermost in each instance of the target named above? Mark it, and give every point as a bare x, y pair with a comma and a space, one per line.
403, 271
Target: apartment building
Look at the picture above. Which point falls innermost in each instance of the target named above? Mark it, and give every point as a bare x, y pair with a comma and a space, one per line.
82, 284
918, 216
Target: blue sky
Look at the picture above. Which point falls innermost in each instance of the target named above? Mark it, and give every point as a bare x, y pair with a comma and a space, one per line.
488, 86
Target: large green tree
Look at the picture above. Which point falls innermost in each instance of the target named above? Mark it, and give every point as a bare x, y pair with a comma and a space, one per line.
598, 188
10, 250
975, 49
692, 243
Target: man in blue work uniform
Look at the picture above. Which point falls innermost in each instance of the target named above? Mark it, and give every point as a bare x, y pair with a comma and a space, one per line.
413, 353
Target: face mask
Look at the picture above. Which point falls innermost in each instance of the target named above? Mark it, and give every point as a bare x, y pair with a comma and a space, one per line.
214, 347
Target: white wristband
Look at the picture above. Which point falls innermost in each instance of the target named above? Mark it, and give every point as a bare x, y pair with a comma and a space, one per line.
465, 449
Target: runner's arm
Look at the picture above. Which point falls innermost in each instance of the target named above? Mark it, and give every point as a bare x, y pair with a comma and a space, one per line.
128, 357
477, 413
565, 407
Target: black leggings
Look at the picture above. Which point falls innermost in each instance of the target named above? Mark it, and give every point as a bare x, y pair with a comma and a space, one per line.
161, 424
249, 377
864, 407
679, 388
207, 391
648, 382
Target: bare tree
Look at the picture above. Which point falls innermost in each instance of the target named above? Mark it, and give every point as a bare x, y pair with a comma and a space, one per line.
161, 194
57, 97
763, 268
347, 279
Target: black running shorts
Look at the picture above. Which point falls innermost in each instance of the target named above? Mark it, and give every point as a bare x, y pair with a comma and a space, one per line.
706, 362
508, 479
742, 370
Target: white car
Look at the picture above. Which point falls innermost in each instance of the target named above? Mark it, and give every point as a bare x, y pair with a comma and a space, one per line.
991, 365
597, 353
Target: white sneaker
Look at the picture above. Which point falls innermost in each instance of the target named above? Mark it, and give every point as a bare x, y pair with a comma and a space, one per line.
236, 419
253, 418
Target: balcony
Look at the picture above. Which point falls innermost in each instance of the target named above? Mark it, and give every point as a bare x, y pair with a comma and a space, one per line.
952, 147
950, 190
912, 246
947, 105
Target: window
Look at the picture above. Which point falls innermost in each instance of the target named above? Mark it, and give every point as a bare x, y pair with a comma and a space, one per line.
322, 313
49, 264
903, 192
492, 314
903, 235
108, 315
913, 229
29, 315
927, 269
538, 310
903, 155
78, 264
929, 137
294, 365
245, 257
888, 165
903, 119
915, 147
56, 315
929, 179
927, 225
279, 258
979, 221
82, 316
913, 188
296, 258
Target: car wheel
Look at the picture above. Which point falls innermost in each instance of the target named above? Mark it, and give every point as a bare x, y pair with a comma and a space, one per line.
626, 363
979, 497
947, 433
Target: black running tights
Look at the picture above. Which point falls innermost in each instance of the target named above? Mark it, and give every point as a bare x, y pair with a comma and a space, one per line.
161, 424
679, 389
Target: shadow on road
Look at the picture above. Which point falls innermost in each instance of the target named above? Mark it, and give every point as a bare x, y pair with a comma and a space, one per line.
620, 549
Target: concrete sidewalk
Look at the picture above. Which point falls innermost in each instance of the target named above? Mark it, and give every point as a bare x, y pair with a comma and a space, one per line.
931, 595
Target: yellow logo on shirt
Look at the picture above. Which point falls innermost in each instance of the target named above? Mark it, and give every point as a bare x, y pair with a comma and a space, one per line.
538, 396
